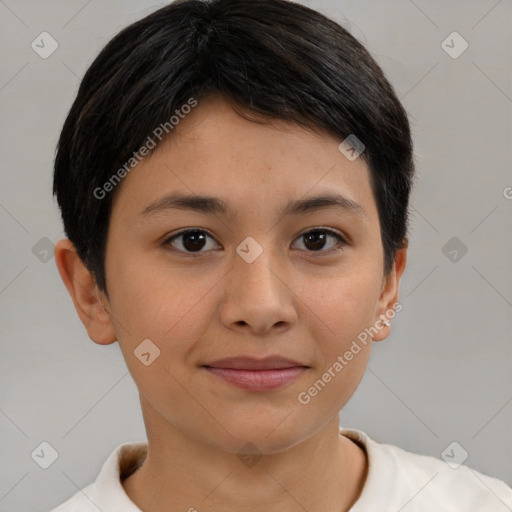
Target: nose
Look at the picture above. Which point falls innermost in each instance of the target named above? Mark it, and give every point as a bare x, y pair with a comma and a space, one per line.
258, 296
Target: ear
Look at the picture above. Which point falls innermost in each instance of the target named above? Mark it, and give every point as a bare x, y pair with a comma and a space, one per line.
388, 301
86, 296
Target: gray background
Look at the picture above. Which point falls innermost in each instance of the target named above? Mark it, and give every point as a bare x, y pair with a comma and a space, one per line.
445, 372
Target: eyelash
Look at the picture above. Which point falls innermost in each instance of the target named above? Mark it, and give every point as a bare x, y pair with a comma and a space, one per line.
338, 247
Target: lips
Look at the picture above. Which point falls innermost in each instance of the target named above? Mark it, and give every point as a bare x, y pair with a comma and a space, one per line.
254, 374
250, 363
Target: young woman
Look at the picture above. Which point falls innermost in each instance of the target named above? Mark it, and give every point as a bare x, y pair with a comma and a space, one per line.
234, 179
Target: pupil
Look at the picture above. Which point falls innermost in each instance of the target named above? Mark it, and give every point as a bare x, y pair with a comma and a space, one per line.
197, 238
318, 239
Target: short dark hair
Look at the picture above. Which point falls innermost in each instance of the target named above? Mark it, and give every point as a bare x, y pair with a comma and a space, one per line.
275, 58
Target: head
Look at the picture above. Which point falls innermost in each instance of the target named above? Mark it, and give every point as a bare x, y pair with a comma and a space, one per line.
249, 102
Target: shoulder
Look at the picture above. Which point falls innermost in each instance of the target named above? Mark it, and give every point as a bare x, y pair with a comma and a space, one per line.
106, 492
424, 483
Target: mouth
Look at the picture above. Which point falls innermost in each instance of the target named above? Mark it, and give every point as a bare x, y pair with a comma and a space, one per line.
256, 374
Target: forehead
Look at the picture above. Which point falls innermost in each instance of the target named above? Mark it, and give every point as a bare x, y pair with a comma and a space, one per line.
216, 152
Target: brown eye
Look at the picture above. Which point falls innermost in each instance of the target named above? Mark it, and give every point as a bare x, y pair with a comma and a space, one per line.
192, 240
316, 239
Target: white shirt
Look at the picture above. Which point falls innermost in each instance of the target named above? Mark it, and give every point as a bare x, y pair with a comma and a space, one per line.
397, 481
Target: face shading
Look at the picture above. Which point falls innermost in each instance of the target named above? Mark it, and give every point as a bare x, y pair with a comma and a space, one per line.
283, 258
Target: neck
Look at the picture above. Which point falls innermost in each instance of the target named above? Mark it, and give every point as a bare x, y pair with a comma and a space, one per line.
325, 472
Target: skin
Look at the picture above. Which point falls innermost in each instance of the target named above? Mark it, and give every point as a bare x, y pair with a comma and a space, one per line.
292, 301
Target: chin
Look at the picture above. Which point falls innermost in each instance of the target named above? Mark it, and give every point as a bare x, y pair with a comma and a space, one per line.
263, 434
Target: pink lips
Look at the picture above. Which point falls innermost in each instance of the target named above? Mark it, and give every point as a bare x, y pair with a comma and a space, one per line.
257, 374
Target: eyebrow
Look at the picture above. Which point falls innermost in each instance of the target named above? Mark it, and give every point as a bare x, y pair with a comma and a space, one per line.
215, 205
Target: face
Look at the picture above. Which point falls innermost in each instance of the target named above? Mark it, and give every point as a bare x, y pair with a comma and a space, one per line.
253, 280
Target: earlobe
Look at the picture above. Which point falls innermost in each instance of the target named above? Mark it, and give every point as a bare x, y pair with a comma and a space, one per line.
389, 298
82, 288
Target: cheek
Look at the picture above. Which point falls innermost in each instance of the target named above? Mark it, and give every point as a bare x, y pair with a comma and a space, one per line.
167, 306
344, 304
154, 297
346, 308
333, 385
171, 312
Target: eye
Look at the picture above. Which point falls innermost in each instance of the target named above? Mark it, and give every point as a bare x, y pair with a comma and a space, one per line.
315, 240
193, 240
